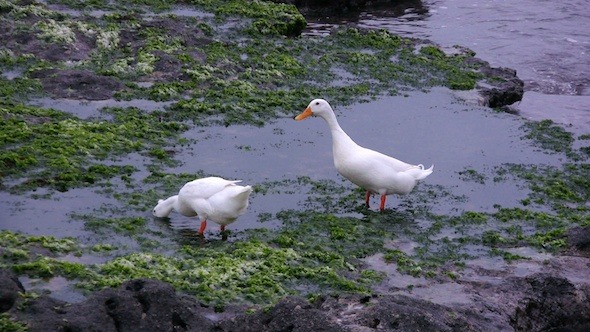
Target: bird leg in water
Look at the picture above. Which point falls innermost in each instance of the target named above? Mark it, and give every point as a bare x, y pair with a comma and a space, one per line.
367, 198
383, 198
203, 226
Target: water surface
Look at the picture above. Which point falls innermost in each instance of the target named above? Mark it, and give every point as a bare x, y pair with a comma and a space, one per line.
547, 42
427, 128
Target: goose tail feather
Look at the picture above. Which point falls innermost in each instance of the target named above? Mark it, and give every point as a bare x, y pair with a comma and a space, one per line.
420, 172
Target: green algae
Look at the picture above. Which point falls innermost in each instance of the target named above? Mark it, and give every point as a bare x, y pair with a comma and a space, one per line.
56, 150
23, 242
31, 255
47, 267
246, 271
9, 324
551, 137
472, 175
269, 18
123, 225
404, 263
18, 88
561, 188
319, 252
564, 190
273, 72
507, 256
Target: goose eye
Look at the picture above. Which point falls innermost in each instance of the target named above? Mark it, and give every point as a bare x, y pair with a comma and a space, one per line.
317, 102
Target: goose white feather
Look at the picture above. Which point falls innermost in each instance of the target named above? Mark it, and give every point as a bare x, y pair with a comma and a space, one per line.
371, 170
211, 198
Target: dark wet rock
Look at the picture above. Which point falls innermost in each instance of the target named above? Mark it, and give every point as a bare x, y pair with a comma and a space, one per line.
77, 84
552, 304
9, 289
578, 239
403, 313
539, 302
501, 87
335, 5
25, 42
137, 305
290, 314
167, 68
188, 32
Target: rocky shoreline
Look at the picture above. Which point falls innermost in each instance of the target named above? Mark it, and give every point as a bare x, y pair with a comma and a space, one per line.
551, 300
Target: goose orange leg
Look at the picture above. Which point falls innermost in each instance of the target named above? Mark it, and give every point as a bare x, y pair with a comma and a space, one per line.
222, 228
382, 206
203, 226
367, 197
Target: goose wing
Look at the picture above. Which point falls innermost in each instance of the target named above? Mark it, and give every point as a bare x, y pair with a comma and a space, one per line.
205, 187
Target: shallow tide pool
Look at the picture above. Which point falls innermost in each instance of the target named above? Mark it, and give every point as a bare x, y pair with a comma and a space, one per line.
427, 128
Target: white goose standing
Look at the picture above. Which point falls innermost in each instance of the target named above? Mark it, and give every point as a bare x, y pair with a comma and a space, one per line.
210, 198
368, 169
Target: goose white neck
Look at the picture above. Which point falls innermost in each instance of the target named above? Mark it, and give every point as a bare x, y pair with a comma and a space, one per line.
165, 206
330, 118
340, 138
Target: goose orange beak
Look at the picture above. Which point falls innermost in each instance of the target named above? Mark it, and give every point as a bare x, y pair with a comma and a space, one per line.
304, 114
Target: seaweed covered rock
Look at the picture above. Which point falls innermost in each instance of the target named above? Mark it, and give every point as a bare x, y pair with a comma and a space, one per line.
552, 304
77, 84
539, 302
501, 87
290, 314
137, 305
334, 5
10, 288
578, 239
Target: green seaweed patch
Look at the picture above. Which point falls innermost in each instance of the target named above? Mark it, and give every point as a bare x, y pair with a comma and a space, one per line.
13, 240
506, 255
277, 76
427, 262
121, 232
468, 218
31, 255
331, 235
56, 150
103, 247
543, 229
439, 256
269, 18
473, 176
18, 88
402, 64
9, 323
551, 137
257, 78
246, 271
324, 195
84, 4
405, 264
48, 267
495, 238
540, 219
552, 240
566, 189
32, 10
122, 225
